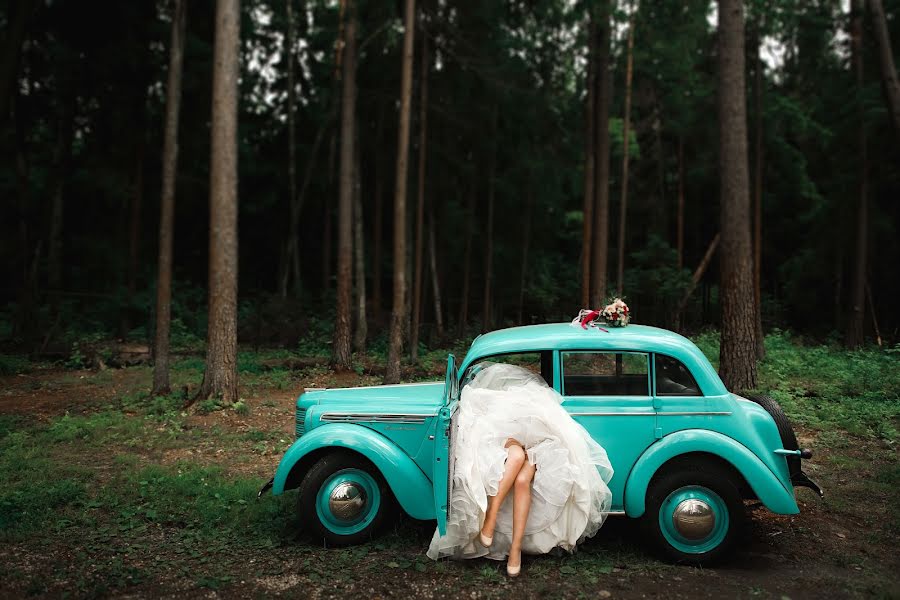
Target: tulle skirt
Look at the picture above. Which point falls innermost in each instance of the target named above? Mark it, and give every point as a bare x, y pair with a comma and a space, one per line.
570, 497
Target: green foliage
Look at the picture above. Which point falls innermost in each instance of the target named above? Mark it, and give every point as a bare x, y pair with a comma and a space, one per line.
14, 364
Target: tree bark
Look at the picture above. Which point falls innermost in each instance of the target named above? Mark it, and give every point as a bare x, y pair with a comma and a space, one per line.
886, 59
420, 205
737, 365
697, 276
679, 220
291, 262
603, 82
526, 239
435, 279
220, 378
626, 125
378, 226
362, 324
341, 356
161, 385
757, 197
489, 229
62, 159
467, 265
589, 163
854, 337
398, 313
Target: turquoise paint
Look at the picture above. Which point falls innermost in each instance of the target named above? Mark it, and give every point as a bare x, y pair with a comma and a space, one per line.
767, 487
373, 502
410, 485
678, 541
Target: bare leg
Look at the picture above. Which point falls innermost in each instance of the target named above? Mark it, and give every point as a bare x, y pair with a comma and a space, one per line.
521, 507
515, 458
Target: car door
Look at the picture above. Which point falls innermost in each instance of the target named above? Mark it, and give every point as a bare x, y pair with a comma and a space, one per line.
442, 468
609, 393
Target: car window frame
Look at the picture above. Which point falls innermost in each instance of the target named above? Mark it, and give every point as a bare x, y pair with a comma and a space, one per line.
651, 381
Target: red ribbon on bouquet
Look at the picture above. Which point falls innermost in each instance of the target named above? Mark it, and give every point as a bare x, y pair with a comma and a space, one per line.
589, 318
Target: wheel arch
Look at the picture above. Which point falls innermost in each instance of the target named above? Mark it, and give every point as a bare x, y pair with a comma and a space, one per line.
758, 480
409, 485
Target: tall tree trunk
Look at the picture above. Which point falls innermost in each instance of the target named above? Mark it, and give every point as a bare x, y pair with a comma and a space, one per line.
467, 265
489, 228
602, 98
886, 59
220, 378
14, 37
161, 385
589, 163
526, 239
62, 159
134, 228
738, 345
679, 220
435, 278
757, 197
420, 205
398, 313
626, 125
291, 262
854, 338
340, 356
328, 218
378, 226
362, 324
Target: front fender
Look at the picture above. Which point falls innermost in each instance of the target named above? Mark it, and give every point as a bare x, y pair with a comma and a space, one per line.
407, 481
765, 484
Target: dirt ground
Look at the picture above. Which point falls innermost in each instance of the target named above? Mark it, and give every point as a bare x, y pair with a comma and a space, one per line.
842, 546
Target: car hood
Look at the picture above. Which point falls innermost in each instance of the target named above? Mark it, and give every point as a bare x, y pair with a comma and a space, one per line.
422, 398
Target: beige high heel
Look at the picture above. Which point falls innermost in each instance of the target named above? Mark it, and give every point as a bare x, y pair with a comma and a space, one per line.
485, 540
513, 571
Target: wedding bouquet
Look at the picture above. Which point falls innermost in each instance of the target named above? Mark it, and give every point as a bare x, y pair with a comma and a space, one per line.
616, 313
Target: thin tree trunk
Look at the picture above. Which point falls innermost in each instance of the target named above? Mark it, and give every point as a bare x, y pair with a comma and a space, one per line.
589, 164
62, 159
839, 281
489, 228
526, 239
757, 198
341, 356
420, 205
697, 276
328, 217
872, 310
886, 59
378, 226
220, 379
738, 344
679, 221
362, 325
467, 265
134, 229
435, 279
398, 313
291, 263
854, 338
603, 96
161, 385
626, 125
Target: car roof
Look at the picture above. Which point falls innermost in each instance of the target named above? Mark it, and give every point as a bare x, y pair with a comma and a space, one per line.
565, 336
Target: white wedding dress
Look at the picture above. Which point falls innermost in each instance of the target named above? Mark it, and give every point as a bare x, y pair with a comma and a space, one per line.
570, 497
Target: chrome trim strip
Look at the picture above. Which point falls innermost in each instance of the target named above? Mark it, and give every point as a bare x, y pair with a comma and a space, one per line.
613, 414
373, 418
369, 387
700, 413
616, 513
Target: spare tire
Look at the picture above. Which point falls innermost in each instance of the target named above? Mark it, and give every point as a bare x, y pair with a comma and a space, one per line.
788, 438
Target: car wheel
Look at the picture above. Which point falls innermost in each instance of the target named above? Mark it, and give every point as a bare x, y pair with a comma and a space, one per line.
785, 430
694, 513
344, 498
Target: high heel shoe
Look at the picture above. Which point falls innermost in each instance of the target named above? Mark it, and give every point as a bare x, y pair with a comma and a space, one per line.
485, 540
513, 571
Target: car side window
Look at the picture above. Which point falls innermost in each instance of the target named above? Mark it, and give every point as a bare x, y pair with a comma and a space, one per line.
605, 374
673, 378
540, 363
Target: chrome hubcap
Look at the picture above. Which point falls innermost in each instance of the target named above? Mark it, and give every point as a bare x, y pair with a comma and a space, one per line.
694, 519
347, 501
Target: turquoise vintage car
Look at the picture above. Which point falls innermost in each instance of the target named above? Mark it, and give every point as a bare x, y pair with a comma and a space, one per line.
686, 451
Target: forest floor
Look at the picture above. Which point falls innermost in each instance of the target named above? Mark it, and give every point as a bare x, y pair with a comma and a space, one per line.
107, 492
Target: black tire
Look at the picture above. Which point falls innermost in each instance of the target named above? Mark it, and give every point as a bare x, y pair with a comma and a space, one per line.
684, 476
785, 429
335, 465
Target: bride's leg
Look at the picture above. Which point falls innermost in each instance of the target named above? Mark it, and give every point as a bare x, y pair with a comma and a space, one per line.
515, 458
521, 507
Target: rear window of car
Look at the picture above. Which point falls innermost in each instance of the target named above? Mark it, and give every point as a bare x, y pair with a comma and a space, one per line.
673, 378
605, 374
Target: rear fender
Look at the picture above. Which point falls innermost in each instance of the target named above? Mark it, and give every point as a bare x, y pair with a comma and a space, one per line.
409, 484
765, 484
